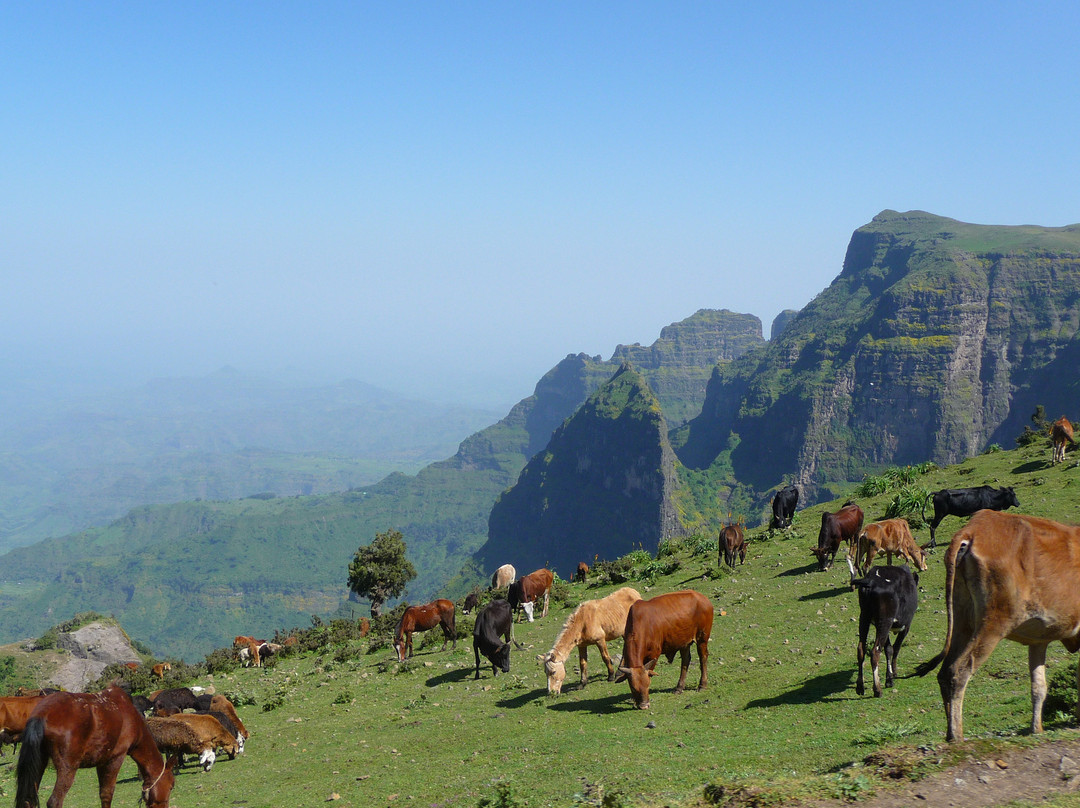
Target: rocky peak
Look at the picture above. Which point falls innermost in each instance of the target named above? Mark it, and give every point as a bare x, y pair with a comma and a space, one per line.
92, 648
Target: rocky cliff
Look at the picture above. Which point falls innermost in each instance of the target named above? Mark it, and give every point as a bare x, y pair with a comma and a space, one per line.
604, 485
91, 649
936, 339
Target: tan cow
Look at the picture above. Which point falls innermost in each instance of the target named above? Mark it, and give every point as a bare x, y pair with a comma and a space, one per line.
1013, 577
1061, 435
503, 576
892, 537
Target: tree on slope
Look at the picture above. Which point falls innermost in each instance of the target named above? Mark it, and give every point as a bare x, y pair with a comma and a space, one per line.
380, 570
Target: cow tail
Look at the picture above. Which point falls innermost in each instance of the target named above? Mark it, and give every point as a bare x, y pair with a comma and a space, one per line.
33, 758
951, 557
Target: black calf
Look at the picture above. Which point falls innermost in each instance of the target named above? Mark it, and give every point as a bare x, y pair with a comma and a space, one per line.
888, 597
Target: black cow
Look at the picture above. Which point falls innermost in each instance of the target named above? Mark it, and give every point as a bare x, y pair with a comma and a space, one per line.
176, 698
783, 506
888, 597
493, 622
965, 501
471, 602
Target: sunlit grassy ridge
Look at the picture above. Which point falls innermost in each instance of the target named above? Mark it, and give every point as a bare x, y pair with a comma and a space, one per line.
780, 716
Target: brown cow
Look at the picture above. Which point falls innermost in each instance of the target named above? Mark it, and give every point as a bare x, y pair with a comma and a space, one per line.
582, 572
421, 618
892, 537
159, 669
732, 543
663, 626
837, 528
15, 710
525, 590
1013, 577
1061, 434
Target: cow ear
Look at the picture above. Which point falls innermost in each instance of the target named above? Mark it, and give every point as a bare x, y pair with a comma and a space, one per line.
649, 666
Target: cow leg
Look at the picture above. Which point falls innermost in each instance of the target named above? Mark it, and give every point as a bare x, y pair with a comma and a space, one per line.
546, 596
476, 653
900, 637
703, 663
972, 646
860, 651
684, 666
1037, 667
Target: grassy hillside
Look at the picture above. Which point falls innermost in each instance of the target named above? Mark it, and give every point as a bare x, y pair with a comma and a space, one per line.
779, 720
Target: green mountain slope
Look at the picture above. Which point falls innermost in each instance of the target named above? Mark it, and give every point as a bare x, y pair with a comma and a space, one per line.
604, 485
180, 574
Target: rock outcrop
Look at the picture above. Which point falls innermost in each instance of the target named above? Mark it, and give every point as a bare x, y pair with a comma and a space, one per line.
92, 648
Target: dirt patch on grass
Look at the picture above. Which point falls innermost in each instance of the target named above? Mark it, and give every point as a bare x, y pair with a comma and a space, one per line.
980, 781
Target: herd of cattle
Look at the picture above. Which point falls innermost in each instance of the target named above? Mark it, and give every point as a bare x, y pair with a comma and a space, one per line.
1007, 576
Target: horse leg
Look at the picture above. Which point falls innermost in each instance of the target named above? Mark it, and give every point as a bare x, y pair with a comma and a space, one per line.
604, 655
107, 774
65, 776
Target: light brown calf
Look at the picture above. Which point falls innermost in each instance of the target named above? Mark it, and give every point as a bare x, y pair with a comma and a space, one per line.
892, 537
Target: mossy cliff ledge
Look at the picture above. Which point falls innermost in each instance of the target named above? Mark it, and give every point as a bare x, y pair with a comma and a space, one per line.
603, 486
937, 339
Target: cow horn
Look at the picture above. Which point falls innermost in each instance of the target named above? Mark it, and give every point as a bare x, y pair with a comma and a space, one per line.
622, 674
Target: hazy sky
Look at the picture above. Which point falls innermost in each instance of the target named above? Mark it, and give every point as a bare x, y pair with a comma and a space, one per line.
453, 196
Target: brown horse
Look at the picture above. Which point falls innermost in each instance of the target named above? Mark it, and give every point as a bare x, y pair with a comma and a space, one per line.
79, 730
421, 618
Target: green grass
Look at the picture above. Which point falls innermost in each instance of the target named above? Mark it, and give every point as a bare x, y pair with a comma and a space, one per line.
779, 720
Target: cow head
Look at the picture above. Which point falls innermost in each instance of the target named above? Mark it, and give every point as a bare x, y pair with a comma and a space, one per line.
639, 678
1011, 498
822, 556
500, 658
556, 672
919, 559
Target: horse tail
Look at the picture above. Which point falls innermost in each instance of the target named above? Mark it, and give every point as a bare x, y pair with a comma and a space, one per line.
33, 758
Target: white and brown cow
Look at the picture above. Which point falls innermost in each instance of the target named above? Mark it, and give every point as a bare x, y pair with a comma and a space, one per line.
1012, 577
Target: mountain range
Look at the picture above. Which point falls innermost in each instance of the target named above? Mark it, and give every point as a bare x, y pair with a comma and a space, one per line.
936, 339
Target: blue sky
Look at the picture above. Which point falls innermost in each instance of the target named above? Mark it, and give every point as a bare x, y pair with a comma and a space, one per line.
450, 197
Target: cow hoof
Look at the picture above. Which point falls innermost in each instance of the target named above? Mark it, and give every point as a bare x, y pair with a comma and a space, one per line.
859, 689
877, 694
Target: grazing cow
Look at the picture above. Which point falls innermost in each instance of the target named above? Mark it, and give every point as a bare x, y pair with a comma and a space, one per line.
1013, 577
594, 622
493, 622
1061, 434
837, 528
888, 597
783, 507
180, 698
582, 572
159, 669
504, 576
472, 600
529, 588
421, 618
663, 626
732, 543
966, 501
892, 537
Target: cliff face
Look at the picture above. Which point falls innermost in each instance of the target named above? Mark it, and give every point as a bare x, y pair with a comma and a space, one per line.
678, 365
936, 339
603, 486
